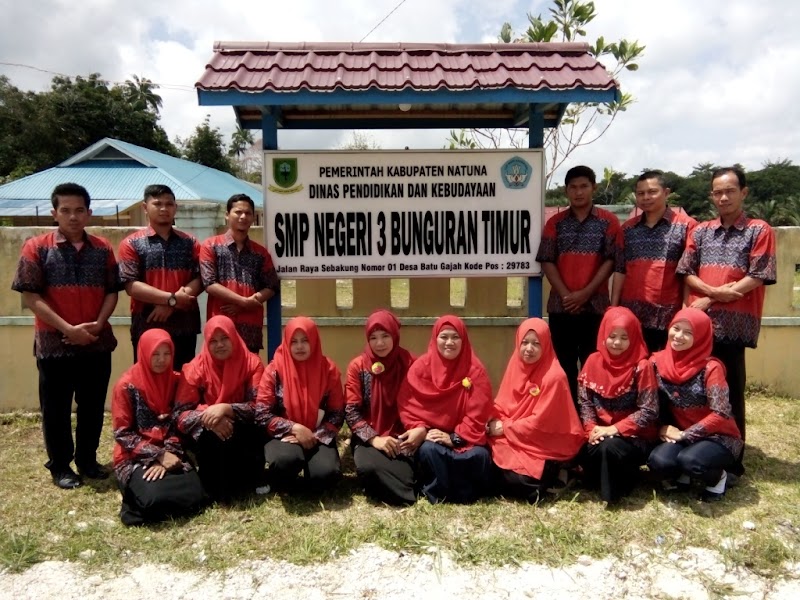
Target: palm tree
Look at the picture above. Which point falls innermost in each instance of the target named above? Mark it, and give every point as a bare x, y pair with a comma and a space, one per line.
241, 140
141, 94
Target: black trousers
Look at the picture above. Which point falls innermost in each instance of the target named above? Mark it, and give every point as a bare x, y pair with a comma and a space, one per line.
732, 356
321, 466
574, 339
185, 349
232, 467
516, 485
177, 494
449, 476
86, 378
612, 465
704, 460
654, 339
389, 480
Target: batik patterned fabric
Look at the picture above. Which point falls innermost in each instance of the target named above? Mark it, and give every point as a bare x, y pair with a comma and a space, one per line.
578, 249
272, 412
718, 256
166, 265
358, 394
700, 407
648, 257
634, 413
244, 273
141, 435
74, 283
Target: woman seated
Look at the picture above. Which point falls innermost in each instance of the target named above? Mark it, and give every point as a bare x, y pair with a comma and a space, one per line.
618, 404
302, 408
444, 405
156, 480
373, 382
534, 426
703, 439
215, 404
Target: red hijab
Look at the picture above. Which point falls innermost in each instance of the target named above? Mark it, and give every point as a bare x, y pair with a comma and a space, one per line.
454, 395
304, 382
225, 381
611, 376
158, 388
535, 405
386, 383
679, 367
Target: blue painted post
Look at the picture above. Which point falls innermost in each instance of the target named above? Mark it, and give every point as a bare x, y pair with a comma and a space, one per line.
269, 136
535, 140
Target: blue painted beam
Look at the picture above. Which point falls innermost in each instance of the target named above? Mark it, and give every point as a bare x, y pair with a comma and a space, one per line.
535, 140
372, 96
383, 123
269, 133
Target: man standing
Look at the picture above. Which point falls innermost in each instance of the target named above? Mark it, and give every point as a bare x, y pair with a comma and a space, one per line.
727, 262
648, 252
577, 256
69, 280
238, 273
160, 269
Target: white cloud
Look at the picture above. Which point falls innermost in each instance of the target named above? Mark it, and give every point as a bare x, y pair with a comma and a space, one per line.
718, 81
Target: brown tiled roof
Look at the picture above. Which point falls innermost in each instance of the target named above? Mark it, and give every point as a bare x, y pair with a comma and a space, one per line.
325, 67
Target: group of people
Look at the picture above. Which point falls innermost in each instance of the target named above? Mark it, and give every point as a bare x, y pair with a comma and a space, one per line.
594, 392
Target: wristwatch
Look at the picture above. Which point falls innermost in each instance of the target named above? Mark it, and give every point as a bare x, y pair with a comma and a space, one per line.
172, 302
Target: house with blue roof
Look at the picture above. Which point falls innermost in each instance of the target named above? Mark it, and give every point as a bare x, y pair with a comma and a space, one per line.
115, 173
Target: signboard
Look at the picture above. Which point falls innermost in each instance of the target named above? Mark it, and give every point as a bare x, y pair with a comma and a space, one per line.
437, 213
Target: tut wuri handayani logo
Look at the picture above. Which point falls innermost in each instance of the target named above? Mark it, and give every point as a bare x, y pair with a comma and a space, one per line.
284, 174
516, 173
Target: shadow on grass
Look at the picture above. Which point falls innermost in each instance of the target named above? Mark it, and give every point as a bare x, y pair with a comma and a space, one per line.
301, 502
765, 467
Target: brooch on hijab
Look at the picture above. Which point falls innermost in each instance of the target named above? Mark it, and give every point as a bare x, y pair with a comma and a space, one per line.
377, 368
466, 382
535, 390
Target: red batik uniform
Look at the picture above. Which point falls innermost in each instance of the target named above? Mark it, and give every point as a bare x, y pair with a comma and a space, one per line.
620, 390
206, 381
718, 256
578, 249
141, 412
648, 257
166, 265
295, 392
243, 272
373, 383
74, 283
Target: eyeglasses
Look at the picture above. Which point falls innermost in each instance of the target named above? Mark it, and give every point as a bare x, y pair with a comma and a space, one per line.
717, 194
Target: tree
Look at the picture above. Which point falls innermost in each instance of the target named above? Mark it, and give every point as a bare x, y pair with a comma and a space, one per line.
140, 93
205, 146
39, 130
582, 123
360, 141
241, 140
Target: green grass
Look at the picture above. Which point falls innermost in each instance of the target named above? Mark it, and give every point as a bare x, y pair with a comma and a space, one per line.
40, 522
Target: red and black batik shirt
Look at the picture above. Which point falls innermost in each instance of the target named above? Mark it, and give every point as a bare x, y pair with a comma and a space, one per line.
166, 265
243, 272
648, 257
73, 282
718, 256
578, 249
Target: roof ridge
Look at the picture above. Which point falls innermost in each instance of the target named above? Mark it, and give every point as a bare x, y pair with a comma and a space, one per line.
307, 47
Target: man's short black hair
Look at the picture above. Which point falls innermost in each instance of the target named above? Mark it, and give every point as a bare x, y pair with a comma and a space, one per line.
654, 174
70, 189
157, 190
735, 170
240, 198
580, 171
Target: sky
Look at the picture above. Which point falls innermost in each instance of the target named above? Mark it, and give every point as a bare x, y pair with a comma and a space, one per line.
718, 82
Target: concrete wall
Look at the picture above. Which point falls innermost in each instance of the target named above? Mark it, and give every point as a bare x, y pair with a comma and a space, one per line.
490, 320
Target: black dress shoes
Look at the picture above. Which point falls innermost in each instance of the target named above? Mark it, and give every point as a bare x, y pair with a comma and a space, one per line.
93, 471
66, 479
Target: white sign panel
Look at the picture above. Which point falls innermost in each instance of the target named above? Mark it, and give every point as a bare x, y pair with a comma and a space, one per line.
403, 214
